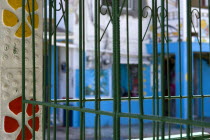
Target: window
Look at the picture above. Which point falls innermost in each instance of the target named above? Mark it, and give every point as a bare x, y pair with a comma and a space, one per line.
132, 6
203, 4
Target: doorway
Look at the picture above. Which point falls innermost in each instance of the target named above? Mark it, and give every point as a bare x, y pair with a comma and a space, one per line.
170, 86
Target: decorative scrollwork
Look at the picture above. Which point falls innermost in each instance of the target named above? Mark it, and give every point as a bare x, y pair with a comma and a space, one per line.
144, 11
63, 14
60, 6
196, 11
197, 14
145, 14
105, 10
165, 12
165, 16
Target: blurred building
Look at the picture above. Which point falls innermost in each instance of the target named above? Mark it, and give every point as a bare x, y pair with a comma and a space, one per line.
176, 42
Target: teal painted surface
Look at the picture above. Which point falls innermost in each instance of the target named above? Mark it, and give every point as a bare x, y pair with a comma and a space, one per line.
108, 105
124, 77
174, 49
206, 87
105, 79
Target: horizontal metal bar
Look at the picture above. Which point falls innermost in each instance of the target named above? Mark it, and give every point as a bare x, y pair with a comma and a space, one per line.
196, 135
133, 98
125, 115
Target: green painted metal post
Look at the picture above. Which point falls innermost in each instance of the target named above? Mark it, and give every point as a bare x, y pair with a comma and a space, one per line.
116, 68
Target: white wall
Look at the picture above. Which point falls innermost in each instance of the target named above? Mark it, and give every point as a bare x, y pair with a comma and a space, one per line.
107, 39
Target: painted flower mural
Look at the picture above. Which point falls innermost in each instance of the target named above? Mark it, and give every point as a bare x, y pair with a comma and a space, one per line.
10, 19
11, 125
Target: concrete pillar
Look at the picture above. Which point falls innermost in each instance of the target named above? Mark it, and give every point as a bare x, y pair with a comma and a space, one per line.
11, 69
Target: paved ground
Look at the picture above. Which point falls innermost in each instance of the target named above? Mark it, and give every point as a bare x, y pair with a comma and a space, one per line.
107, 132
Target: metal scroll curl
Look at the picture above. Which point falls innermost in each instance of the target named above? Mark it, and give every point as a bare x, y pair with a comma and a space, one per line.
197, 14
145, 14
105, 10
165, 16
60, 5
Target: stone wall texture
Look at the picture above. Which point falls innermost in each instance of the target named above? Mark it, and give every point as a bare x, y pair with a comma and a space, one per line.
11, 68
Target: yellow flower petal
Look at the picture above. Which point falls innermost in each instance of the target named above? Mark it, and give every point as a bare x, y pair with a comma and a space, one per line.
9, 18
36, 23
15, 3
29, 6
27, 31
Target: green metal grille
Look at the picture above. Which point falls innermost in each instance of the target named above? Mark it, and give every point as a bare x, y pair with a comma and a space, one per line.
160, 56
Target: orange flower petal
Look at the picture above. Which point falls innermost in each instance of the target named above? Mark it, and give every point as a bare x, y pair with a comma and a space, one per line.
15, 3
36, 20
30, 122
29, 6
9, 18
29, 109
27, 31
10, 125
28, 134
16, 105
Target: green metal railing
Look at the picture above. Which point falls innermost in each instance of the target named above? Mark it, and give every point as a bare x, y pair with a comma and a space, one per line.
160, 56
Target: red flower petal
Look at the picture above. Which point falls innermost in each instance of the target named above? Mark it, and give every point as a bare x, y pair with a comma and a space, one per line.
10, 124
16, 105
30, 109
28, 134
30, 122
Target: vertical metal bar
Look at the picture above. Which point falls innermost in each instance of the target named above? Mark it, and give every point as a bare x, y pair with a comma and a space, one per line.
140, 70
180, 65
155, 65
116, 67
67, 66
97, 64
168, 72
49, 67
154, 72
23, 70
55, 71
128, 70
44, 72
96, 88
81, 65
34, 65
201, 70
189, 66
99, 69
163, 66
83, 94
